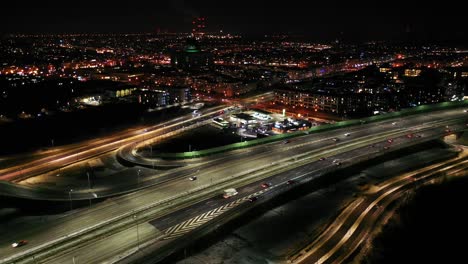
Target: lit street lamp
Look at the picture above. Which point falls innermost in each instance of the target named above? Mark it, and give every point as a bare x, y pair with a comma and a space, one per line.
89, 182
137, 231
138, 178
89, 187
69, 196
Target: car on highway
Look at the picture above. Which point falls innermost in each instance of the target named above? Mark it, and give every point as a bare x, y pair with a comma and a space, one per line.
265, 185
19, 243
252, 199
290, 182
192, 178
410, 135
390, 140
386, 147
286, 142
229, 193
322, 159
335, 139
337, 162
394, 123
347, 134
465, 111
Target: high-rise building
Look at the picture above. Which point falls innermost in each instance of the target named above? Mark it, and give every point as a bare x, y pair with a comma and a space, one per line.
192, 57
198, 27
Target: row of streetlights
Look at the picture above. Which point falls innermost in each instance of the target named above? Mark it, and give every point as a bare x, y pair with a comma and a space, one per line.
135, 216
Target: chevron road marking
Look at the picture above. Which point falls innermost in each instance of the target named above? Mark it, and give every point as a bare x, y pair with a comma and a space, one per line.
194, 222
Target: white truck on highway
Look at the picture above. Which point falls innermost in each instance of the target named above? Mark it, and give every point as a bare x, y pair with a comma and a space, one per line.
229, 193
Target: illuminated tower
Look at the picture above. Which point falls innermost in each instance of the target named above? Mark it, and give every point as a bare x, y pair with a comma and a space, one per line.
198, 27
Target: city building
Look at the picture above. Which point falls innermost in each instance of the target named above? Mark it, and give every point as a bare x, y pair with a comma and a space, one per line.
290, 125
227, 87
192, 57
198, 27
334, 102
153, 98
178, 94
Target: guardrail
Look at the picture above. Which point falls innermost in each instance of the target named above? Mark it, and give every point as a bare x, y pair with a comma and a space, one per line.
182, 242
342, 124
66, 241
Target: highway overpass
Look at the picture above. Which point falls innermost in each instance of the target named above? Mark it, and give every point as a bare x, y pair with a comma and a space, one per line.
242, 168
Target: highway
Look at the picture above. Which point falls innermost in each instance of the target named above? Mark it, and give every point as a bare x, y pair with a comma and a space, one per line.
264, 155
239, 168
65, 155
70, 154
355, 224
180, 223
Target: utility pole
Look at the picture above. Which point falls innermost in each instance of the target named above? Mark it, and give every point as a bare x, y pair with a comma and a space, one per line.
89, 187
69, 196
138, 178
89, 182
137, 231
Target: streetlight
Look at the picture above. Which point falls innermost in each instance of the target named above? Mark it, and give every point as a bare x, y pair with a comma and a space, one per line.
89, 187
138, 178
137, 231
89, 182
69, 196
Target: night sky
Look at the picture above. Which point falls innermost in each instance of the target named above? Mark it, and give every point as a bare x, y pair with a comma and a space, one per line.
325, 20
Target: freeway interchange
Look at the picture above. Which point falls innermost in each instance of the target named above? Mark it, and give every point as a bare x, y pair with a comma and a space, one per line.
122, 227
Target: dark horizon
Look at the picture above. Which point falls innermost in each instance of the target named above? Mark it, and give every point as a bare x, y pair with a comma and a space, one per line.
357, 22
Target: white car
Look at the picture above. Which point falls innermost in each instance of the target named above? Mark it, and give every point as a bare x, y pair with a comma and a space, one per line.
347, 134
393, 123
192, 178
19, 243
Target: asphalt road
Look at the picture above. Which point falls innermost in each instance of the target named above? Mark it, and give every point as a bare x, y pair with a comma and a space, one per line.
235, 164
357, 221
265, 154
73, 153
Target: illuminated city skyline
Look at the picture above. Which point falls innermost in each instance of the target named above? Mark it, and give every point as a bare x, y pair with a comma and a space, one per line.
320, 21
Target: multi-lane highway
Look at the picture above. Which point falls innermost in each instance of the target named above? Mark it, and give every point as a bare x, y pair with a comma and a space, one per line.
298, 159
266, 154
356, 223
65, 155
70, 154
